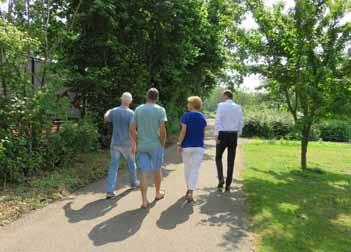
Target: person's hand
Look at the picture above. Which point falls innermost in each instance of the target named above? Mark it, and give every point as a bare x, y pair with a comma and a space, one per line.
179, 149
133, 149
217, 140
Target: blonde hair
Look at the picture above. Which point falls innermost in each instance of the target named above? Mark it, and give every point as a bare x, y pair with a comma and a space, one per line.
195, 101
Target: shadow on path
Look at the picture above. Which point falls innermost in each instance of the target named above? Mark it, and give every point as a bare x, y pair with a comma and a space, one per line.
171, 156
225, 209
176, 214
93, 209
120, 227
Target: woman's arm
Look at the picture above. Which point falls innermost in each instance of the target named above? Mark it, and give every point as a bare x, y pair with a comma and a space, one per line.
181, 136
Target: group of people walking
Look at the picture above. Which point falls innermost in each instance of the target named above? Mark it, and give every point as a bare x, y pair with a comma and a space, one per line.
140, 137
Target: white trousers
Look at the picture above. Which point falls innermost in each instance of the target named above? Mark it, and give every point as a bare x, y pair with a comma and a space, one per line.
192, 158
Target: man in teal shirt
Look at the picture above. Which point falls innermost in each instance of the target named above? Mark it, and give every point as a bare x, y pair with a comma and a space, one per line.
148, 132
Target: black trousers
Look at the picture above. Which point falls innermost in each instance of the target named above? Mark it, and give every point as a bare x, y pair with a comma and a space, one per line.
227, 140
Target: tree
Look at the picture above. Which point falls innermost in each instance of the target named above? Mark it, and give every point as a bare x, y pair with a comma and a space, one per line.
13, 45
44, 20
301, 51
176, 46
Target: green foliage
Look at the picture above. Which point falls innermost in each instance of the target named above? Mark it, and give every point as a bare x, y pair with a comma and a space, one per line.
259, 101
264, 117
268, 124
176, 46
23, 122
16, 161
80, 137
275, 124
301, 52
28, 143
39, 191
54, 150
335, 130
14, 44
212, 100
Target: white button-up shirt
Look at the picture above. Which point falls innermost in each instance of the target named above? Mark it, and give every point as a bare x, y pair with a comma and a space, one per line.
229, 117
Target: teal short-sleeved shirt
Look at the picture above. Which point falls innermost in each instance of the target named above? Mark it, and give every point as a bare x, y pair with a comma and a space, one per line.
148, 118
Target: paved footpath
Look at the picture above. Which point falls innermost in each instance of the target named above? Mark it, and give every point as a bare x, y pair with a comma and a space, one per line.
86, 222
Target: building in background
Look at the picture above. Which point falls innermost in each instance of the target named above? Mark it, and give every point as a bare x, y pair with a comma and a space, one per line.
34, 70
34, 67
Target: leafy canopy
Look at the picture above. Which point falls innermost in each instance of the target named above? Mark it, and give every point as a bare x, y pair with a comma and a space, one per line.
302, 53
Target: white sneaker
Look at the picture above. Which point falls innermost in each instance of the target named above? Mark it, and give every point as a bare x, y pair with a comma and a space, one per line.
110, 195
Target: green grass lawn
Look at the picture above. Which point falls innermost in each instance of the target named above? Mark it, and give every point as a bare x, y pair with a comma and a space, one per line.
38, 192
295, 211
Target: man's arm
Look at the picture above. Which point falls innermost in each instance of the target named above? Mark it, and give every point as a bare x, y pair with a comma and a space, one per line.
218, 124
163, 131
106, 116
163, 134
133, 137
241, 121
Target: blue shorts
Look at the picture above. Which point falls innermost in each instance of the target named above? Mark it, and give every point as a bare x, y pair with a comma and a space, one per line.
150, 161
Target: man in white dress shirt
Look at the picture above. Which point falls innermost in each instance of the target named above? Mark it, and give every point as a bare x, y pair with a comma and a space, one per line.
229, 125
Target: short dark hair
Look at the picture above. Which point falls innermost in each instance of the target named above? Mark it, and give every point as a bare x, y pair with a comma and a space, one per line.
153, 94
228, 93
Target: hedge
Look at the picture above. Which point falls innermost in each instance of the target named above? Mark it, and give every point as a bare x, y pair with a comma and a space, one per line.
268, 124
335, 130
273, 124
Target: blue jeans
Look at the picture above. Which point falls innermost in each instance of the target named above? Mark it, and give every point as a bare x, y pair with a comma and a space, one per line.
116, 153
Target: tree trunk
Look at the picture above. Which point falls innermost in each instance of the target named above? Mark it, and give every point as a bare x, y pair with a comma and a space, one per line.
83, 112
46, 22
4, 87
9, 10
304, 144
3, 79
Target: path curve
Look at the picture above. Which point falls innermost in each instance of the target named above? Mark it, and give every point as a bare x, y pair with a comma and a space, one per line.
85, 222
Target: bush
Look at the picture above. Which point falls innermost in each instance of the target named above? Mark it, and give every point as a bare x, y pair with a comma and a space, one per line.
335, 130
80, 137
59, 148
268, 124
55, 150
28, 146
274, 124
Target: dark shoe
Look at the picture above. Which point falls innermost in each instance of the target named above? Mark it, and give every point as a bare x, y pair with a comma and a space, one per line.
227, 189
110, 195
220, 185
189, 196
190, 199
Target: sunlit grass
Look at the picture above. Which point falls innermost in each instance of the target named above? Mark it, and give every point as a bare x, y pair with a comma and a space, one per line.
298, 211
